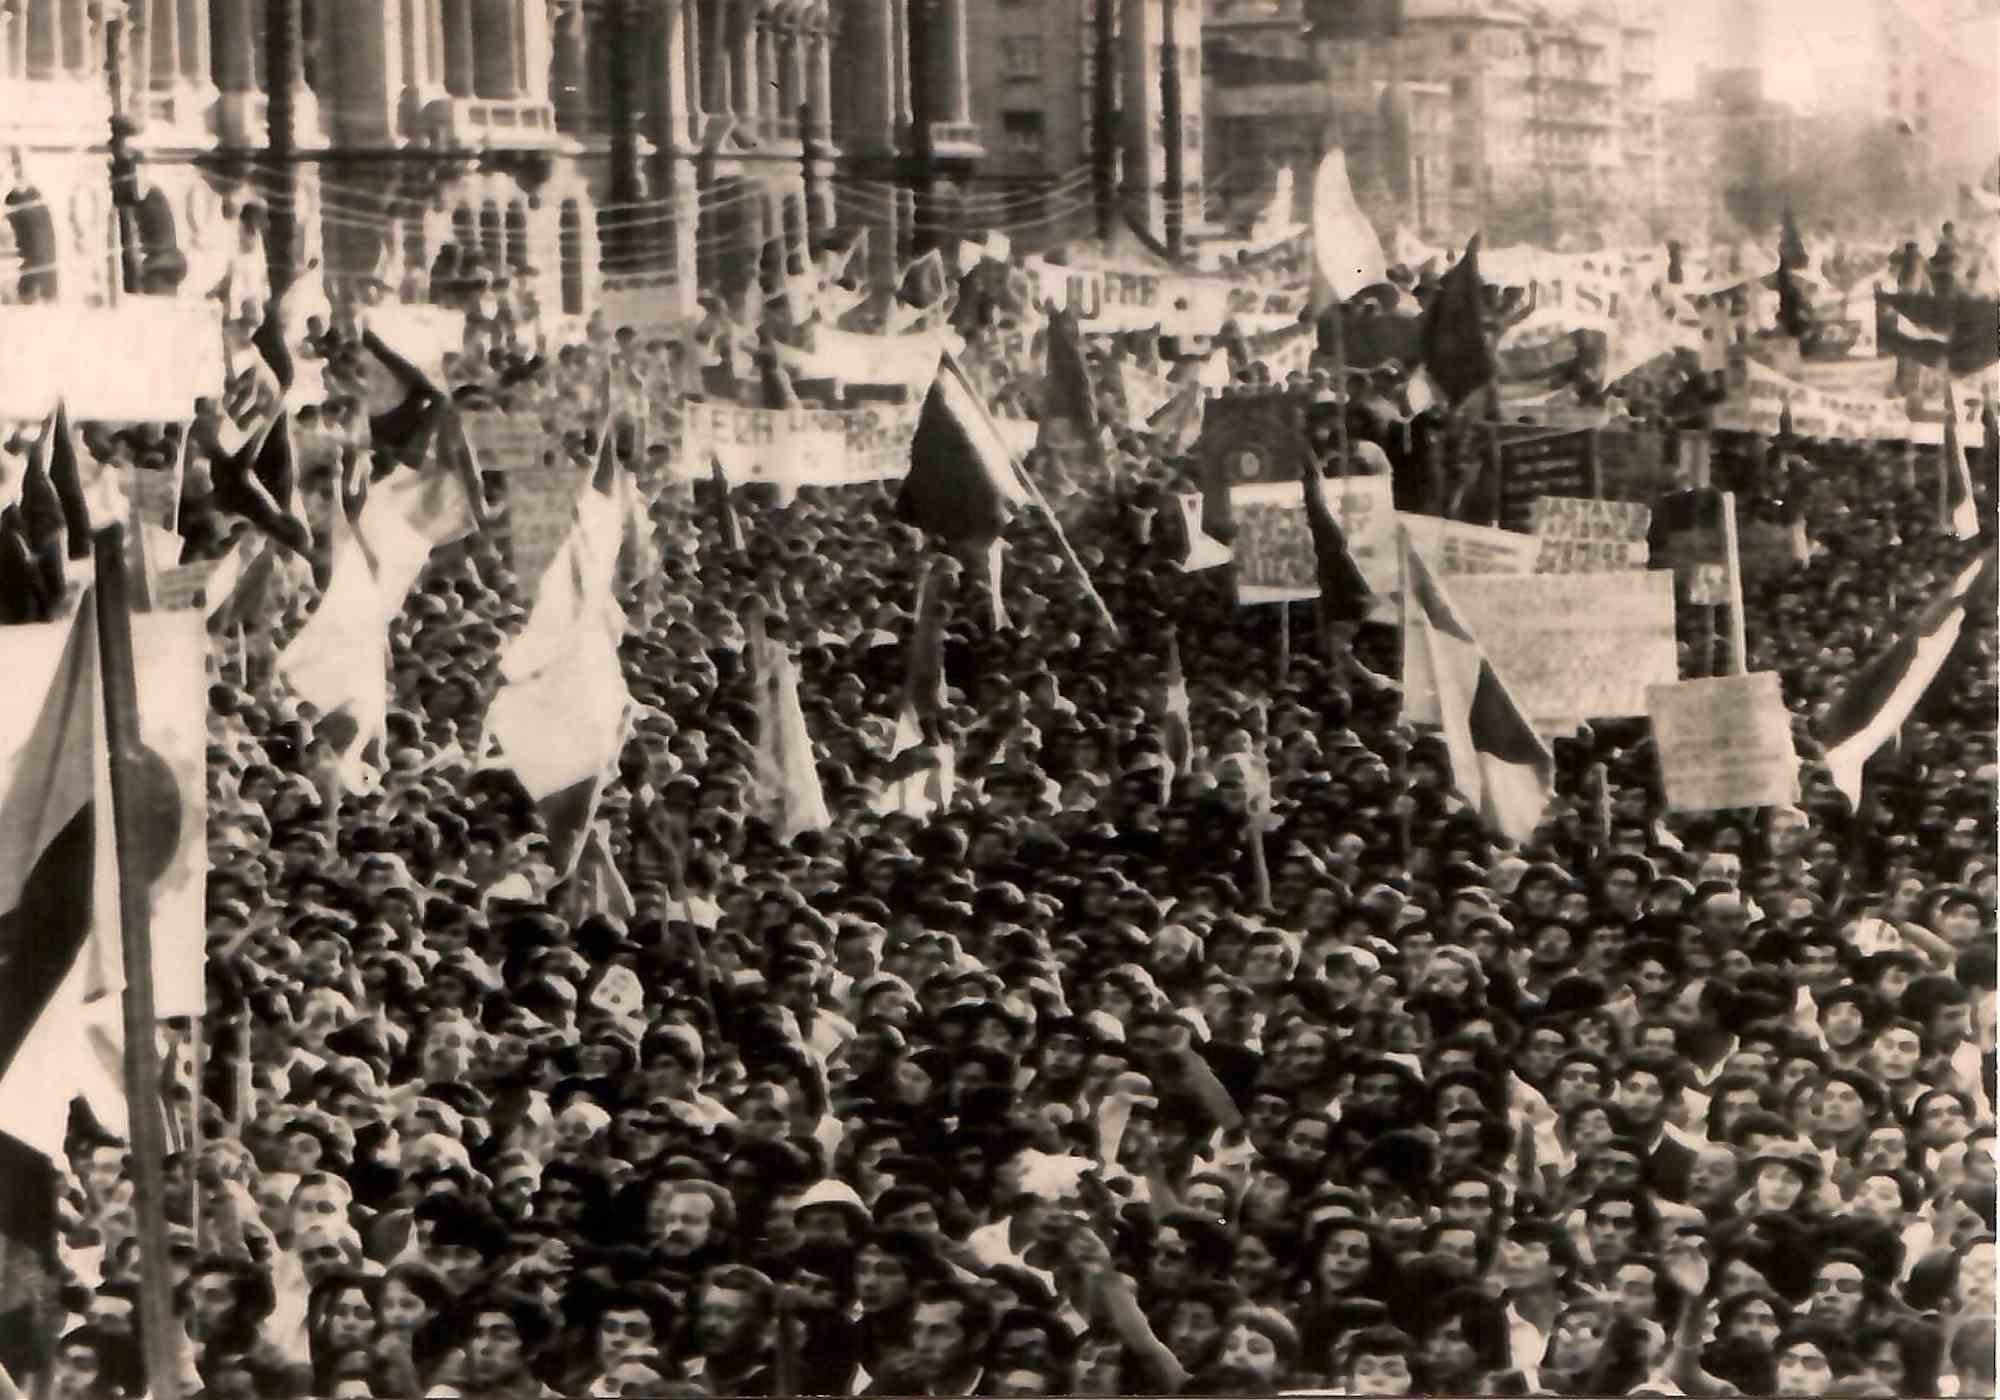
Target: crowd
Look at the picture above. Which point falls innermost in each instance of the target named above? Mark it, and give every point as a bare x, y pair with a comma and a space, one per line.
1032, 1095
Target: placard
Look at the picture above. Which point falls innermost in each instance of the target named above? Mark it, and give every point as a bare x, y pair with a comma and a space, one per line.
541, 509
1273, 550
1570, 647
506, 442
1724, 742
145, 360
1454, 547
1582, 536
800, 446
1547, 464
1270, 569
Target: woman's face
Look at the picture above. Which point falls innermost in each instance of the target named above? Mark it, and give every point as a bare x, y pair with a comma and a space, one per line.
1886, 1149
1446, 978
1447, 1352
350, 1320
1842, 1023
402, 1310
1343, 1261
1253, 1267
1777, 1187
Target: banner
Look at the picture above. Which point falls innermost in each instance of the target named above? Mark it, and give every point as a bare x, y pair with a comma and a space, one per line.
1548, 464
1758, 395
1632, 465
1143, 392
506, 442
1570, 647
799, 446
1109, 299
855, 357
1724, 742
1583, 536
1247, 439
145, 360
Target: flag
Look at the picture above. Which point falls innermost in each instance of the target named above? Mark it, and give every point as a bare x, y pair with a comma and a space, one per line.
1204, 551
727, 525
57, 878
923, 284
1176, 715
339, 660
1499, 764
604, 888
1958, 513
1067, 392
1455, 348
1960, 334
1347, 253
43, 525
1791, 247
559, 715
1872, 709
1344, 596
63, 476
785, 774
929, 788
962, 486
1178, 420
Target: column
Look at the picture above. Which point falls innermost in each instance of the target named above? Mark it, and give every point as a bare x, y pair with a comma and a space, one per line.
899, 72
77, 31
566, 79
236, 63
770, 70
44, 45
748, 79
162, 46
496, 58
536, 54
957, 104
674, 95
819, 77
460, 72
194, 42
411, 22
719, 89
791, 70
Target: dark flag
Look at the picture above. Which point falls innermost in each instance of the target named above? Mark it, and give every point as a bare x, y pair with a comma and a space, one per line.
962, 486
1455, 349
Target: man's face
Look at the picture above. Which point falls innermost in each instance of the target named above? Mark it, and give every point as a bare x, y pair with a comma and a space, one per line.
1379, 1374
493, 1354
1193, 1331
1842, 1024
1840, 1107
1469, 1203
723, 1319
680, 1221
1614, 1231
1524, 1264
938, 1340
1942, 1121
1836, 1294
1817, 965
621, 1330
1642, 1097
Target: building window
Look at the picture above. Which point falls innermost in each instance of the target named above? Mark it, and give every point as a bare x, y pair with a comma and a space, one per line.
570, 252
1023, 131
1461, 176
1461, 89
1461, 43
1191, 137
1021, 57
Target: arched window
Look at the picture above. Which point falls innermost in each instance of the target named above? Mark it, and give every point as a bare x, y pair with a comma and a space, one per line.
492, 238
570, 252
34, 231
517, 237
162, 266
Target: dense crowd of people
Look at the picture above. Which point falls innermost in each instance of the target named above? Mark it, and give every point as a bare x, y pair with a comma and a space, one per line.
1034, 1095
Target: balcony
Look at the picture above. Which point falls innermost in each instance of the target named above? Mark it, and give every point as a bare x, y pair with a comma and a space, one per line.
476, 123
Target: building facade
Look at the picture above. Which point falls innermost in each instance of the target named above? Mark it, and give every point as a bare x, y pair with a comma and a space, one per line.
1034, 86
571, 145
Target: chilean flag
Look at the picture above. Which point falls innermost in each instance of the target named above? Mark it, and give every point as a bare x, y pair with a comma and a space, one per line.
1884, 692
1501, 767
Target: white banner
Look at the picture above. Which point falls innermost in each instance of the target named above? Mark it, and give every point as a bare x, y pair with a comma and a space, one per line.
799, 446
145, 360
854, 357
423, 335
1569, 646
1724, 742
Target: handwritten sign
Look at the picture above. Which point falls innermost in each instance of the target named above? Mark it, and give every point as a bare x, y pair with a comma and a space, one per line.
1453, 547
506, 442
1570, 647
1724, 742
1582, 536
1547, 464
1365, 508
1274, 555
145, 360
800, 446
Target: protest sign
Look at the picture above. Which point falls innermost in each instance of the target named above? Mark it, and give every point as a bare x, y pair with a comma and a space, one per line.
1570, 647
1546, 464
1273, 546
1365, 508
1247, 439
506, 442
658, 312
799, 446
855, 357
541, 508
1724, 742
1582, 536
1453, 547
145, 360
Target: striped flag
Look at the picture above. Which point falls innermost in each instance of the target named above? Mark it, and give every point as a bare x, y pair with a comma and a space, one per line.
1958, 514
1872, 709
1501, 767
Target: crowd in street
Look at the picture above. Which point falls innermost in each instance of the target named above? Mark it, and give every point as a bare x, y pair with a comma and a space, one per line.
1033, 1095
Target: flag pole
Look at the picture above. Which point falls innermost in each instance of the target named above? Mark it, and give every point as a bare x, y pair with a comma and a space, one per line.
1062, 542
1284, 640
1732, 565
142, 1058
1260, 862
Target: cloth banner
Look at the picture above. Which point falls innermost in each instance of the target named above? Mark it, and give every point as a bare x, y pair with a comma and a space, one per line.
423, 335
1569, 647
1724, 742
856, 357
799, 446
145, 360
1583, 536
1113, 299
1454, 547
1758, 394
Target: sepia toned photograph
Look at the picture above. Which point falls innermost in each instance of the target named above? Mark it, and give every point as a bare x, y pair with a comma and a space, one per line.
999, 698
